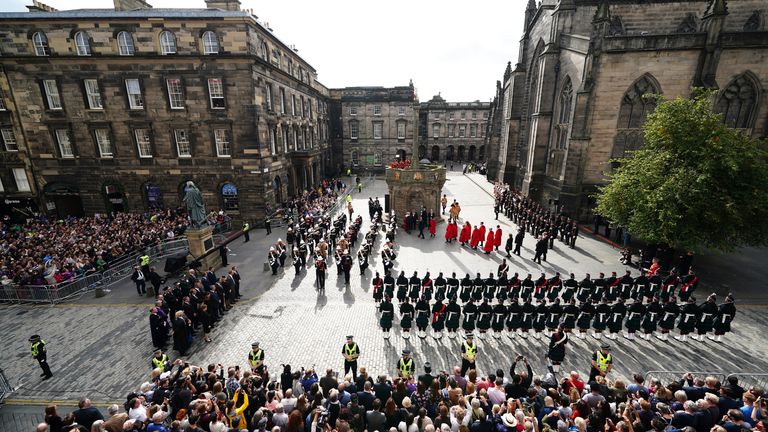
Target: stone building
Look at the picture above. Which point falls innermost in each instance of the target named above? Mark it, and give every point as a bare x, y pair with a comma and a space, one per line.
115, 109
574, 100
373, 125
453, 131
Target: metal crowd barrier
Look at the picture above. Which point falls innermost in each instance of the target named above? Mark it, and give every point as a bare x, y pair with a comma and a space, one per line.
746, 379
5, 387
117, 271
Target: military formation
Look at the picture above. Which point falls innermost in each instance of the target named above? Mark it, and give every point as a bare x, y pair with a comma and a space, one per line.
499, 304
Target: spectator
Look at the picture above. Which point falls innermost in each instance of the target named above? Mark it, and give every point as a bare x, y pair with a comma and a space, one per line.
86, 414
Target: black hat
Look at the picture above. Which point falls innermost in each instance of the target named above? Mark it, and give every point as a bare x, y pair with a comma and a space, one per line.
255, 344
349, 337
34, 338
605, 346
406, 352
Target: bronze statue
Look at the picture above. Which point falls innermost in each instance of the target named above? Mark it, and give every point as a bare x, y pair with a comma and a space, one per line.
195, 207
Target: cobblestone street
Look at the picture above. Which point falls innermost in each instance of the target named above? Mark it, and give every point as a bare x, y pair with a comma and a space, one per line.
101, 347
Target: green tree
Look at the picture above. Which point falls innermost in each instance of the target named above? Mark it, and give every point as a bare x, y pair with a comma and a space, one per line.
695, 183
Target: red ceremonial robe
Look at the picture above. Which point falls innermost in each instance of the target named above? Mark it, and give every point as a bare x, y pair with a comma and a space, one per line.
466, 232
432, 226
476, 237
482, 232
489, 242
498, 237
454, 231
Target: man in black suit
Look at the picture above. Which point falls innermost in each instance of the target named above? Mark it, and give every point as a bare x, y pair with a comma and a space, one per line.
139, 279
366, 397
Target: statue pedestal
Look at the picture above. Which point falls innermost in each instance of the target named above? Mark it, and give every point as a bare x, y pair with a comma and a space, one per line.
414, 187
201, 241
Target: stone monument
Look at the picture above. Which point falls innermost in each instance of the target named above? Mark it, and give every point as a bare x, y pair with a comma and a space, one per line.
199, 233
415, 186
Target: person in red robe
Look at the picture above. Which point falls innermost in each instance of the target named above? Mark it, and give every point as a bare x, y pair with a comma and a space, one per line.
490, 242
482, 232
455, 231
476, 236
497, 241
466, 233
432, 227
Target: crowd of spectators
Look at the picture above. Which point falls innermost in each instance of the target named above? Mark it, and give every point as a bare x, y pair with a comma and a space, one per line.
312, 203
218, 399
44, 251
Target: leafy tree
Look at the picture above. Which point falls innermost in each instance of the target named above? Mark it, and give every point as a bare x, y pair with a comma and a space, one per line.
695, 183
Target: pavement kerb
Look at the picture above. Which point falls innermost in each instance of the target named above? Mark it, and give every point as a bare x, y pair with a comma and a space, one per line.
58, 402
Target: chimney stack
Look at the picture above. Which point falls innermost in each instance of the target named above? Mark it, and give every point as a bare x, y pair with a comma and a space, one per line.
40, 7
127, 5
228, 5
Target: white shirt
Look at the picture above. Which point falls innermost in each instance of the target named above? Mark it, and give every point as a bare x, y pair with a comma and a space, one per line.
139, 413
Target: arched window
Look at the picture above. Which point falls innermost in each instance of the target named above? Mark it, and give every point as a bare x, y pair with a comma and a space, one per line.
167, 43
82, 44
564, 119
125, 44
632, 113
40, 41
210, 43
737, 102
229, 197
355, 157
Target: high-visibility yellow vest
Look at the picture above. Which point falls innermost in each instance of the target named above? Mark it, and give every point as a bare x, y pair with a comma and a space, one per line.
36, 348
160, 362
255, 357
470, 350
602, 361
246, 227
405, 367
144, 260
350, 351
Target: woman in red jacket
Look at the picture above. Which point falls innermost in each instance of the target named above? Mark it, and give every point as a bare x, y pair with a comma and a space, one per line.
490, 242
466, 232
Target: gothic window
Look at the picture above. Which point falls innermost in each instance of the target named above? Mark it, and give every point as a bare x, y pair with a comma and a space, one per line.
617, 26
564, 119
737, 103
632, 113
688, 25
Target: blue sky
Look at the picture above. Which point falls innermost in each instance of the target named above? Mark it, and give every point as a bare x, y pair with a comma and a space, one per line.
458, 48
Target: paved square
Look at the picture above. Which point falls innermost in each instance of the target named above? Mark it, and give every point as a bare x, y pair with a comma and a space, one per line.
101, 347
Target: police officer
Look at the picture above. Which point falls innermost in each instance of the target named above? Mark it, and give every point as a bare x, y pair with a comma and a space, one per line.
602, 362
256, 359
144, 264
39, 354
405, 366
247, 228
351, 352
160, 361
468, 354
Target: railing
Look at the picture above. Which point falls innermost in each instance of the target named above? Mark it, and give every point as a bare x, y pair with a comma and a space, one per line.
117, 271
746, 379
5, 387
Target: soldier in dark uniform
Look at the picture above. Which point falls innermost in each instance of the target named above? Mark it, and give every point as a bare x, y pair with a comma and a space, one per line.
402, 287
599, 290
453, 286
654, 287
378, 288
320, 268
414, 287
540, 318
440, 287
635, 313
422, 317
584, 319
438, 318
670, 312
707, 315
555, 312
519, 237
514, 287
725, 314
40, 354
389, 285
570, 286
477, 288
612, 288
556, 350
503, 268
669, 286
499, 316
554, 286
651, 318
453, 311
470, 316
626, 283
489, 288
688, 285
570, 312
526, 288
528, 312
586, 287
514, 318
362, 260
616, 320
640, 287
485, 315
466, 289
427, 287
387, 311
602, 313
689, 314
406, 318
502, 287
540, 292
